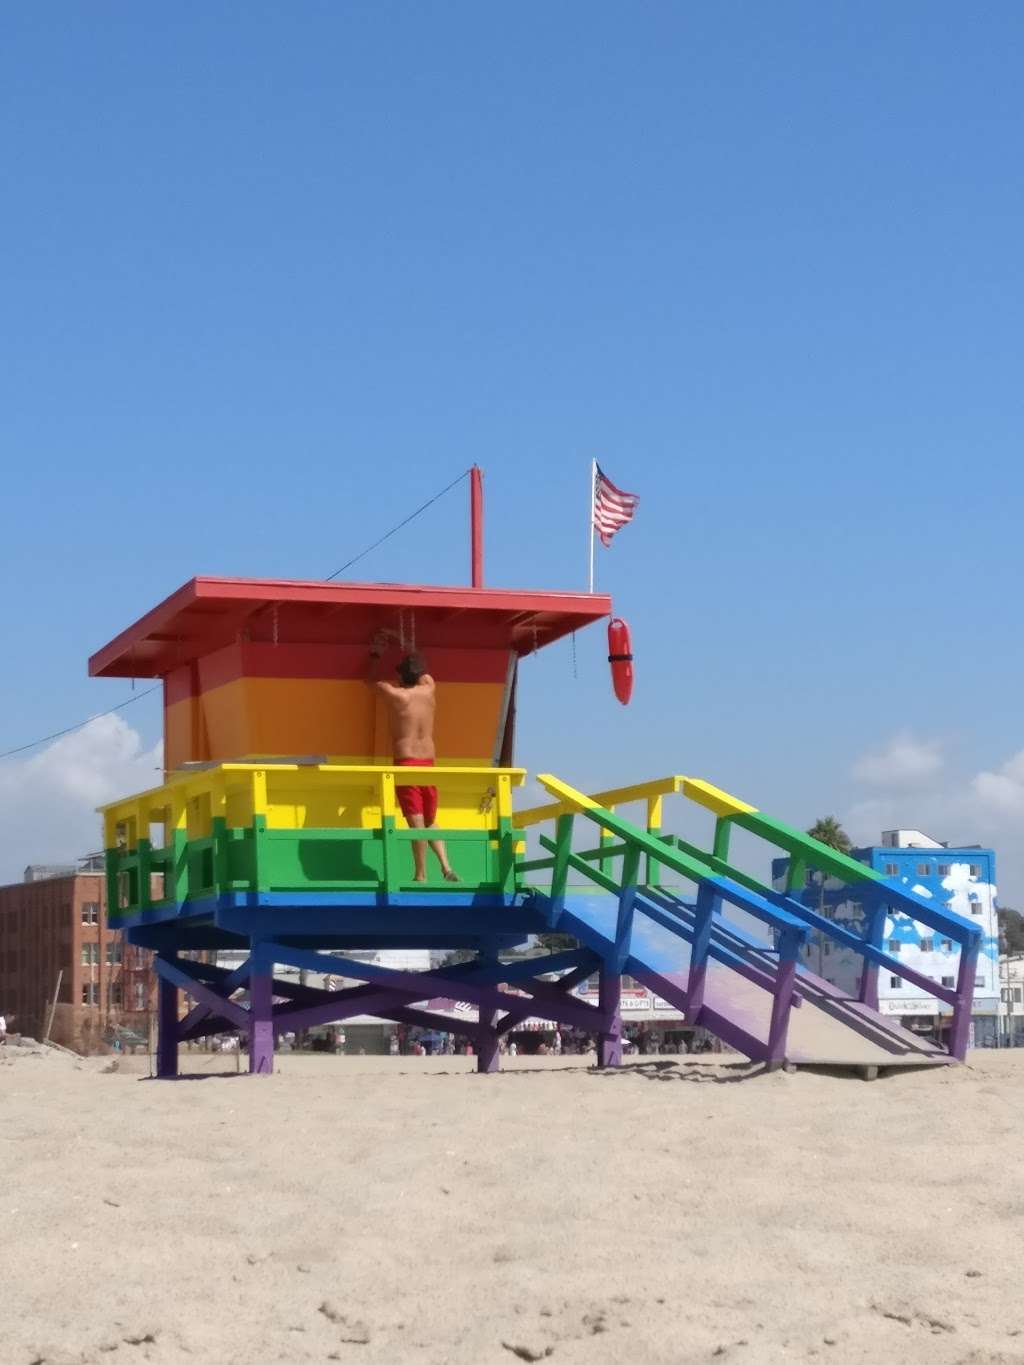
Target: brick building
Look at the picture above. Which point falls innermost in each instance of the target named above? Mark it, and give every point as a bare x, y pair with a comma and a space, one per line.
53, 926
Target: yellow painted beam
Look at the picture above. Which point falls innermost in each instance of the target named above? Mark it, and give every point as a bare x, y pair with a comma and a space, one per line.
714, 799
187, 785
643, 791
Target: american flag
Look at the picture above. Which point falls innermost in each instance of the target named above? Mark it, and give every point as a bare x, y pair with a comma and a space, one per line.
612, 507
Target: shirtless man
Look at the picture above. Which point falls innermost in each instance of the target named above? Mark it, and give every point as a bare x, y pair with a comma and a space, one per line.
411, 716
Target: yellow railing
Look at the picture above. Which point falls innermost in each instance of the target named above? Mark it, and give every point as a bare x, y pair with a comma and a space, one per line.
305, 796
651, 792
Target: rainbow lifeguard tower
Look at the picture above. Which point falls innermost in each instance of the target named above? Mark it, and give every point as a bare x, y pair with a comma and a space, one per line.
277, 832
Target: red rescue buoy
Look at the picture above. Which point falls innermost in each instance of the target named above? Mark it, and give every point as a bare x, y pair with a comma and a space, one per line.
620, 656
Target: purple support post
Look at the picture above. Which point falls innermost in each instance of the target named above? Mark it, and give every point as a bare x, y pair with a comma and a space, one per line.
487, 1055
700, 949
609, 1041
782, 1002
960, 1028
261, 1016
488, 1058
167, 1028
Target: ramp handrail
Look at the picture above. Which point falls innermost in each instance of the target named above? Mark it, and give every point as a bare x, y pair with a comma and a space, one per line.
715, 876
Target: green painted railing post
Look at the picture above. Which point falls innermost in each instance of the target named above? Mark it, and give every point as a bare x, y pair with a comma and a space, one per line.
221, 864
257, 834
143, 873
257, 847
560, 871
627, 904
796, 877
507, 839
605, 860
723, 830
652, 871
387, 829
178, 888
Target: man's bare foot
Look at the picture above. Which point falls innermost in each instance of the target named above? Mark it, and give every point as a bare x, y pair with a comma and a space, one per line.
421, 880
451, 876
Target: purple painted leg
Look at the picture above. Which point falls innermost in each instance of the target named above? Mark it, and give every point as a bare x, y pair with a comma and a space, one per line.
167, 1028
487, 1055
782, 1003
261, 1019
488, 1058
960, 1028
609, 1042
700, 950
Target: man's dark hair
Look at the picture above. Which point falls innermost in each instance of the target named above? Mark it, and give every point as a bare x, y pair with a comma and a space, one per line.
411, 669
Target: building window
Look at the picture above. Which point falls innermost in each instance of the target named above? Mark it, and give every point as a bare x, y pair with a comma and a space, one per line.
140, 995
895, 982
948, 981
979, 981
90, 912
90, 993
943, 869
1018, 994
923, 869
891, 869
826, 949
90, 954
927, 945
115, 995
975, 870
947, 945
976, 907
894, 947
113, 953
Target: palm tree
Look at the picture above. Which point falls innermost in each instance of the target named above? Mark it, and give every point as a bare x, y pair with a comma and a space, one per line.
827, 830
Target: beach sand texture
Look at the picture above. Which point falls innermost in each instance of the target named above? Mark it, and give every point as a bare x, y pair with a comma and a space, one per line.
384, 1210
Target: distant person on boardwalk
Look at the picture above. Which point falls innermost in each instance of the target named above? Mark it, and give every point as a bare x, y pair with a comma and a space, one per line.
411, 717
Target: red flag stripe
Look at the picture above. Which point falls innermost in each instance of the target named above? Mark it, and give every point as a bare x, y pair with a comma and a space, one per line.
613, 507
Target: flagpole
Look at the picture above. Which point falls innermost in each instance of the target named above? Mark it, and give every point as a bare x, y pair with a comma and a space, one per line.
593, 486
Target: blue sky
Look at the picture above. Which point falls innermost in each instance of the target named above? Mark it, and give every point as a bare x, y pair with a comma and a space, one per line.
274, 274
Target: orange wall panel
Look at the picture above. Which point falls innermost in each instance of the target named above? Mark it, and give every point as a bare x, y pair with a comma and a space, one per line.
334, 717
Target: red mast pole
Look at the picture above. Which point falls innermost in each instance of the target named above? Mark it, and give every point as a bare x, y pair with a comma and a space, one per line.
476, 515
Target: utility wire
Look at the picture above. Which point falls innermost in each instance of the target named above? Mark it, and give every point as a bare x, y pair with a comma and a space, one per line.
59, 734
9, 753
388, 534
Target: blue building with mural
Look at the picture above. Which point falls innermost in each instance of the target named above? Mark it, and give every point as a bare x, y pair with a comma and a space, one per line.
961, 879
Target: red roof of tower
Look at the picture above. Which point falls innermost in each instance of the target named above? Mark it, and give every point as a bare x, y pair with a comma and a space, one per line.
206, 614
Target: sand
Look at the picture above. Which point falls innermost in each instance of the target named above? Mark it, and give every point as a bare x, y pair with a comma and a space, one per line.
383, 1210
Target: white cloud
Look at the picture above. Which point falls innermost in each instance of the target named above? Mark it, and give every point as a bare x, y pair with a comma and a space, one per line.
903, 762
985, 808
48, 800
1003, 791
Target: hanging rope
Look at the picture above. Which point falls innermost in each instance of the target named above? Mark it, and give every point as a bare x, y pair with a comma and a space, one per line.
59, 734
388, 534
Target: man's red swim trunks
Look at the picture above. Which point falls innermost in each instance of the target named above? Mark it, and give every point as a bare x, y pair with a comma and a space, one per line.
416, 800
